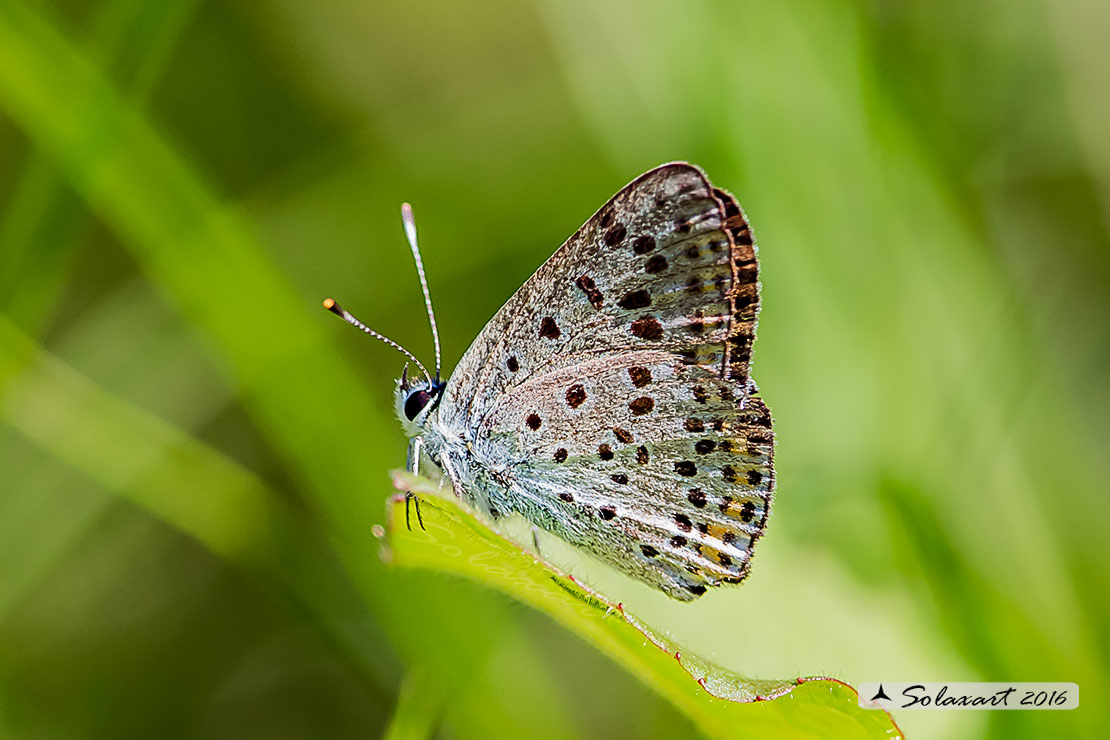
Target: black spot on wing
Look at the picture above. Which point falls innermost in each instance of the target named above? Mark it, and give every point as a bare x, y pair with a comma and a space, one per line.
647, 327
635, 299
549, 329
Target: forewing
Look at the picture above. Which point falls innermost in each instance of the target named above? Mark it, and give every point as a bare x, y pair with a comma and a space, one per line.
613, 387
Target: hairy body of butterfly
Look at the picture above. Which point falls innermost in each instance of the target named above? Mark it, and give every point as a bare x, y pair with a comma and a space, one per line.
609, 400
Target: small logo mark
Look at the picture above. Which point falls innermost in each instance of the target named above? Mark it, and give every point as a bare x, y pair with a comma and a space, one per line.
880, 694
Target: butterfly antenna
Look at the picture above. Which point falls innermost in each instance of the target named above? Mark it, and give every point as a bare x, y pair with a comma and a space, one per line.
335, 308
410, 232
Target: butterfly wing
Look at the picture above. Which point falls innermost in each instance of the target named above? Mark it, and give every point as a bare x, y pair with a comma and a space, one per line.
611, 395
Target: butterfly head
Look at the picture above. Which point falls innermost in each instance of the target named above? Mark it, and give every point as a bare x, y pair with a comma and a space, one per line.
415, 400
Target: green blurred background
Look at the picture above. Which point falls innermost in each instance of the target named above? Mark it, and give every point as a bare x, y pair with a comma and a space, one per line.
192, 452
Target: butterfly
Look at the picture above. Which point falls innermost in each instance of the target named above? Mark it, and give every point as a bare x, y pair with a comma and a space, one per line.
609, 401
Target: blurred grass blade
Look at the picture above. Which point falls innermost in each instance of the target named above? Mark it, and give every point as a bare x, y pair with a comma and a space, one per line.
181, 481
40, 232
721, 703
43, 513
205, 260
44, 217
417, 713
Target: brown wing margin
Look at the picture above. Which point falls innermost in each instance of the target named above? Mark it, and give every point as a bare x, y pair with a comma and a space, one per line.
743, 296
744, 303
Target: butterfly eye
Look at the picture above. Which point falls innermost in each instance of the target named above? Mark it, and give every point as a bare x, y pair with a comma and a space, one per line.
415, 403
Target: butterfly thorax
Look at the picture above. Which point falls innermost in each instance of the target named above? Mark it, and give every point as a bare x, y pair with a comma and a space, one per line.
441, 445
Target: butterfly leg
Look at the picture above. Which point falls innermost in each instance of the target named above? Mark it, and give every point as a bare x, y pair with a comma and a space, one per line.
536, 539
416, 448
410, 496
446, 462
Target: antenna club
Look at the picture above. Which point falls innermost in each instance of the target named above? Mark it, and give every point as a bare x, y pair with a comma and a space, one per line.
410, 224
336, 309
410, 234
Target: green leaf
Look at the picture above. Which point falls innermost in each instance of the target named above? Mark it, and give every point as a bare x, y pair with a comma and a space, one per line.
721, 703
